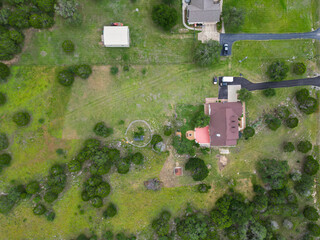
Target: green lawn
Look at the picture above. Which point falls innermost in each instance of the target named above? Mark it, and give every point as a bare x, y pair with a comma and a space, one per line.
277, 16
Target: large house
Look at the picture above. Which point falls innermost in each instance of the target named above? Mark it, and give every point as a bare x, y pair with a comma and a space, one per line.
226, 120
203, 11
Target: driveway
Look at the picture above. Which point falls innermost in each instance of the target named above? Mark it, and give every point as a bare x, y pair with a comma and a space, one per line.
223, 90
231, 38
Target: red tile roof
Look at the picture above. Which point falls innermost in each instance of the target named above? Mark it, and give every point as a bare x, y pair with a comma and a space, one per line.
202, 135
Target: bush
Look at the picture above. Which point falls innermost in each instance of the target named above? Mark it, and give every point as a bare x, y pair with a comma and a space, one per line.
50, 216
126, 68
137, 158
74, 166
310, 166
161, 225
83, 71
164, 16
283, 112
50, 196
5, 159
16, 36
19, 18
108, 235
68, 46
56, 169
21, 118
270, 92
39, 209
304, 146
123, 165
198, 169
292, 122
103, 190
207, 53
311, 213
156, 139
45, 5
244, 95
314, 229
97, 202
183, 145
66, 8
248, 132
272, 122
3, 99
309, 106
288, 147
84, 196
41, 21
33, 187
114, 70
203, 188
233, 18
278, 70
111, 211
302, 95
304, 185
102, 130
4, 142
167, 131
65, 77
299, 68
4, 71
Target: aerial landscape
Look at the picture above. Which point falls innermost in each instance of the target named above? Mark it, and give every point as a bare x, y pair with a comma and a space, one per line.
159, 119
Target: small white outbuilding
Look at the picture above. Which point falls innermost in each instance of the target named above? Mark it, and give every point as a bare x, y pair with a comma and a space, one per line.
116, 36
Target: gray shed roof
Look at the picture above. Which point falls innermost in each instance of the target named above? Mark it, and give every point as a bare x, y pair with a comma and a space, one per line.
203, 11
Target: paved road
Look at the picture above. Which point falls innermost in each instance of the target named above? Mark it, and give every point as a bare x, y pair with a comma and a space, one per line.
231, 38
223, 91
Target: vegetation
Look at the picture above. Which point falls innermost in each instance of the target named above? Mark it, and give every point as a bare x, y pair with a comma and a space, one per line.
68, 46
83, 71
111, 211
278, 70
270, 92
306, 103
102, 130
4, 142
311, 213
310, 166
272, 122
208, 53
304, 146
183, 145
244, 95
203, 188
292, 122
164, 16
21, 118
114, 70
288, 147
161, 225
299, 68
65, 77
3, 99
248, 132
198, 169
233, 18
4, 71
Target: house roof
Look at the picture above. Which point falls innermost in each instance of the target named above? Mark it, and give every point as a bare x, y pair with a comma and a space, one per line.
116, 36
202, 135
203, 11
224, 130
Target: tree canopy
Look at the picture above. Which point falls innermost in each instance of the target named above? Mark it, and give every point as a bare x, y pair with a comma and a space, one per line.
208, 53
278, 70
164, 16
198, 169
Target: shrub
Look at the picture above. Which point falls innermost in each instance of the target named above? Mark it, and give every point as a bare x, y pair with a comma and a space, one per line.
288, 147
45, 5
19, 18
311, 213
304, 146
50, 196
233, 18
137, 158
309, 106
310, 166
3, 99
41, 21
283, 112
164, 16
292, 122
198, 169
161, 224
74, 166
123, 165
56, 169
299, 68
66, 8
278, 70
84, 196
16, 36
83, 71
68, 46
248, 132
304, 185
97, 202
167, 131
4, 71
33, 187
21, 118
203, 188
314, 229
39, 209
156, 139
270, 92
102, 130
111, 211
65, 77
5, 159
50, 216
302, 95
108, 235
207, 53
244, 95
4, 142
183, 145
126, 68
103, 190
272, 122
114, 70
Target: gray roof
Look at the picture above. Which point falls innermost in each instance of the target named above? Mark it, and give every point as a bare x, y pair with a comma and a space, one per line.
203, 11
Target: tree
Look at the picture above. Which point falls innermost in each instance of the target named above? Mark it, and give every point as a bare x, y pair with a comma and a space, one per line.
74, 166
108, 235
19, 18
164, 16
4, 142
167, 131
39, 209
111, 211
203, 188
50, 215
273, 172
41, 21
103, 189
288, 147
310, 166
309, 106
137, 158
192, 227
260, 202
220, 218
278, 70
102, 130
5, 159
183, 145
244, 95
314, 229
304, 146
272, 122
207, 53
292, 122
311, 213
270, 92
233, 18
4, 71
198, 169
83, 71
114, 70
201, 119
21, 118
123, 165
66, 8
4, 16
156, 138
33, 187
50, 196
68, 46
3, 99
161, 224
45, 5
299, 68
304, 185
248, 132
16, 36
97, 202
56, 169
65, 77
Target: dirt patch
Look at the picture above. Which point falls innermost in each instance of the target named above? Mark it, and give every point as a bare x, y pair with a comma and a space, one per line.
245, 186
69, 134
223, 161
100, 79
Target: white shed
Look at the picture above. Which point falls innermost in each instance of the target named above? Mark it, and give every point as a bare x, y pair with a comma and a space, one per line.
116, 36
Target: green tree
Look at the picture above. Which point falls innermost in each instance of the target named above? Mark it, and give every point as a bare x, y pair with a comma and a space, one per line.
260, 202
5, 159
311, 165
137, 158
4, 71
21, 118
302, 95
74, 166
45, 5
4, 16
292, 122
299, 68
102, 130
50, 196
83, 71
198, 169
288, 147
183, 145
114, 70
156, 138
314, 229
311, 213
4, 142
16, 36
272, 122
97, 202
208, 53
123, 165
108, 235
304, 185
309, 106
111, 211
201, 119
193, 227
244, 95
19, 18
278, 70
233, 18
164, 16
203, 188
68, 46
304, 146
248, 132
3, 99
66, 8
103, 189
50, 215
161, 224
39, 209
65, 77
33, 187
270, 92
41, 21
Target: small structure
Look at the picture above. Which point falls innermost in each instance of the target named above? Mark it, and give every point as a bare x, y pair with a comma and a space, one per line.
178, 171
116, 36
203, 11
190, 135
